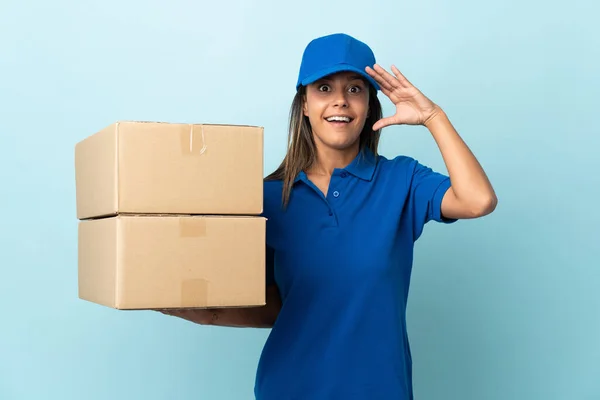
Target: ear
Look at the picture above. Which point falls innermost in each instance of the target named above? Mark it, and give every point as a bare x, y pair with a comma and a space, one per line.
304, 106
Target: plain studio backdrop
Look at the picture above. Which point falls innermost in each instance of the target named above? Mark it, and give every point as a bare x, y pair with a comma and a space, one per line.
506, 307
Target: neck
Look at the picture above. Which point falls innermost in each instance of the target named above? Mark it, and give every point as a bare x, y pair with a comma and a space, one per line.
329, 159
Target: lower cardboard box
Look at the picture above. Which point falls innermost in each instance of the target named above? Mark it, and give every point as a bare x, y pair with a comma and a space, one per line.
158, 262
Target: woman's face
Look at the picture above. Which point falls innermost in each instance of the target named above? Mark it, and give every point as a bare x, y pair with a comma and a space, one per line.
337, 107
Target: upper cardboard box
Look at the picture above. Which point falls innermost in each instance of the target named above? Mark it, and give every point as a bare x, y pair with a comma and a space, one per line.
168, 168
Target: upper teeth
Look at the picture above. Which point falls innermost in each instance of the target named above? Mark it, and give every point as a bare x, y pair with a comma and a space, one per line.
338, 118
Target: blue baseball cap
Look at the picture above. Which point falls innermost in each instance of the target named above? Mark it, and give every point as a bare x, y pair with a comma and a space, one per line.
338, 52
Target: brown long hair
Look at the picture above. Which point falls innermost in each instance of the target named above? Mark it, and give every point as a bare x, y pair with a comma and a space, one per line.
302, 151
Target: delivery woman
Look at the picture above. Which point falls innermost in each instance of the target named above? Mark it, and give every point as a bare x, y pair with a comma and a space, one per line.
342, 222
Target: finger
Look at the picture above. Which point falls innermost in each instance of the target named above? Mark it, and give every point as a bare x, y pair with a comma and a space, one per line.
387, 92
383, 80
379, 79
382, 123
174, 312
389, 78
401, 78
383, 84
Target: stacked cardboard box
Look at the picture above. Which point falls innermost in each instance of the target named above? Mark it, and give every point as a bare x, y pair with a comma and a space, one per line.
169, 216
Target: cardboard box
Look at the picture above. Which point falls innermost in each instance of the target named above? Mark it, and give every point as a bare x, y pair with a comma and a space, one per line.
164, 168
150, 262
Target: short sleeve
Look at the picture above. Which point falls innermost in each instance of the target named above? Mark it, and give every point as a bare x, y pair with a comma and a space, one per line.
426, 191
270, 266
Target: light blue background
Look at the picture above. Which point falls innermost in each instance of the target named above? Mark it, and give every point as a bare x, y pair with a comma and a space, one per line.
507, 307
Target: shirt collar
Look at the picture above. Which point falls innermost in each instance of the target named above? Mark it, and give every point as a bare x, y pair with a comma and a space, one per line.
363, 167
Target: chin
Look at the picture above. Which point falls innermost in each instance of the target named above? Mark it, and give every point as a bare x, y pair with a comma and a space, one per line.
340, 144
338, 138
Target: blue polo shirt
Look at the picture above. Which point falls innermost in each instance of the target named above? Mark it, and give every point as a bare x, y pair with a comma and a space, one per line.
342, 263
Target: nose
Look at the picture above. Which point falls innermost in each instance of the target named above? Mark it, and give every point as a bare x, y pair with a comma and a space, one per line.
340, 100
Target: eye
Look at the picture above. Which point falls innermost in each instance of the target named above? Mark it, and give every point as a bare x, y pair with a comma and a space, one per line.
355, 89
324, 88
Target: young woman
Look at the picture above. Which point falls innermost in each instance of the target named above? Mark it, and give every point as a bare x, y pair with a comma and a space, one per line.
342, 222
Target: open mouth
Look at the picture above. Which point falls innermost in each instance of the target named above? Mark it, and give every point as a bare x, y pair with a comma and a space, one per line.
339, 119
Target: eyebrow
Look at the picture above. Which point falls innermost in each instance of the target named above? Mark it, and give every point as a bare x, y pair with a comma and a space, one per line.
356, 77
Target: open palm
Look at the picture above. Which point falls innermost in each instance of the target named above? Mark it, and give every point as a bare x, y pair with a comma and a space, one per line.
412, 106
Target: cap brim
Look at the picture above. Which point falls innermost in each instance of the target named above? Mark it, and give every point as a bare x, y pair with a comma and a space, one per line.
334, 69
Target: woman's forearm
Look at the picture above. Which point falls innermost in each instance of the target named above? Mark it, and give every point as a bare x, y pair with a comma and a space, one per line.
242, 317
471, 194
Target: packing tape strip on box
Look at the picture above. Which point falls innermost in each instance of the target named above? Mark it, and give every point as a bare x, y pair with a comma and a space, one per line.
187, 142
192, 226
193, 291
